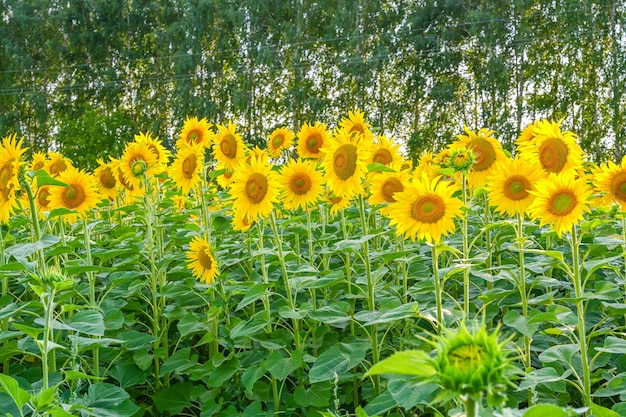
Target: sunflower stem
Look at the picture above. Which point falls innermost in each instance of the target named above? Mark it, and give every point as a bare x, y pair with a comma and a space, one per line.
580, 310
4, 325
466, 270
35, 222
519, 231
371, 302
283, 267
266, 295
309, 232
438, 290
624, 238
47, 299
471, 407
405, 275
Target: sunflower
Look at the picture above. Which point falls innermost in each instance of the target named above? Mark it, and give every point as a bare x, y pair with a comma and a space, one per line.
355, 124
129, 189
225, 179
254, 189
510, 185
556, 151
345, 164
487, 149
425, 210
257, 153
560, 201
301, 184
188, 167
385, 152
38, 161
106, 179
156, 146
383, 187
181, 203
528, 134
241, 222
80, 194
228, 147
311, 138
195, 132
138, 162
337, 202
42, 202
281, 138
56, 164
426, 165
610, 180
11, 152
201, 261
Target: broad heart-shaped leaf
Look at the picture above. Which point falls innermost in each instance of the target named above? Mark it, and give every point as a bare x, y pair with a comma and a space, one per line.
174, 399
547, 376
561, 354
547, 410
408, 393
128, 374
107, 400
281, 367
22, 251
408, 362
616, 386
520, 323
337, 360
43, 178
599, 411
10, 386
613, 344
381, 404
316, 396
90, 322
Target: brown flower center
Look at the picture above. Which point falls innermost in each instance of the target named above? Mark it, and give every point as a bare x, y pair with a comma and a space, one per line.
516, 187
428, 209
204, 258
300, 184
6, 172
57, 167
382, 156
562, 203
278, 141
38, 165
358, 128
553, 155
344, 161
618, 186
256, 188
195, 136
107, 179
73, 196
314, 143
42, 196
485, 154
390, 187
228, 146
189, 166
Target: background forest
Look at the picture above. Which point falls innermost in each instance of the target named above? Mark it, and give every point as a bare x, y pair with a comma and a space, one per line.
84, 76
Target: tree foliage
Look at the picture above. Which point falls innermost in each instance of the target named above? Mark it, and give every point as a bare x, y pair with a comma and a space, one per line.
419, 69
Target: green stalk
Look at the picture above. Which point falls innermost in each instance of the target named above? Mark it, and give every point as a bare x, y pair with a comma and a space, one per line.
519, 231
4, 325
466, 271
92, 293
371, 303
624, 237
309, 232
405, 275
281, 259
471, 407
266, 296
580, 311
438, 290
47, 336
35, 222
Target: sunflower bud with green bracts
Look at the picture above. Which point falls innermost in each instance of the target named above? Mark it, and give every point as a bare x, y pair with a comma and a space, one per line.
51, 280
470, 364
461, 160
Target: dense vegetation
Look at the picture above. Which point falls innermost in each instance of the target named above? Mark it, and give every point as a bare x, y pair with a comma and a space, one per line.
84, 76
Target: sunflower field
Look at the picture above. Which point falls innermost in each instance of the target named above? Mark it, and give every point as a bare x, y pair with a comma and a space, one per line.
323, 275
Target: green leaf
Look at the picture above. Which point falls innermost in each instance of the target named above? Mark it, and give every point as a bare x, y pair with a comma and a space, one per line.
247, 328
381, 404
256, 292
22, 251
616, 386
408, 362
250, 376
136, 340
316, 396
520, 323
20, 396
561, 354
107, 400
600, 411
547, 376
378, 167
90, 322
613, 344
179, 361
128, 375
335, 314
43, 178
281, 367
337, 360
175, 399
544, 410
401, 312
70, 375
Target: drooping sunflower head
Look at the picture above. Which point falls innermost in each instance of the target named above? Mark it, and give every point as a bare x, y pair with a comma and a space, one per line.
155, 145
383, 188
195, 132
425, 210
387, 153
488, 151
11, 152
356, 126
555, 150
254, 189
228, 147
345, 163
138, 163
38, 161
106, 180
301, 184
510, 185
201, 260
311, 139
280, 139
560, 201
80, 194
188, 167
56, 164
610, 182
473, 363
